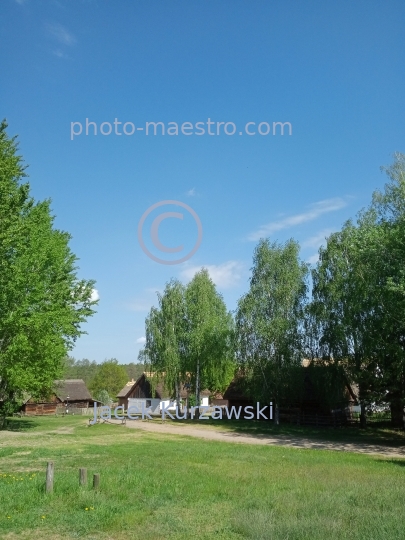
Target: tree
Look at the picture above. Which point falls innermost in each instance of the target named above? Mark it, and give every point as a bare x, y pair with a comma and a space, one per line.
386, 217
346, 304
165, 327
42, 301
80, 369
110, 376
269, 321
208, 336
359, 296
104, 397
134, 371
189, 337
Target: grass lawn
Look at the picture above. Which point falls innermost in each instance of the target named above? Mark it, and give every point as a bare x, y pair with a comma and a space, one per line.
173, 487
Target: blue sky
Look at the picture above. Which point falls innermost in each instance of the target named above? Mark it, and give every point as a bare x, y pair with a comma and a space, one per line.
333, 70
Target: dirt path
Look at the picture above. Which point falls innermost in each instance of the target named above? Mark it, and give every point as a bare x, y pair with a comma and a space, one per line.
279, 440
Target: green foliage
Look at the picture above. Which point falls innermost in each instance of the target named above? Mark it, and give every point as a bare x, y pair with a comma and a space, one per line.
80, 369
87, 370
134, 371
189, 337
42, 302
110, 376
165, 337
209, 335
269, 320
358, 295
104, 397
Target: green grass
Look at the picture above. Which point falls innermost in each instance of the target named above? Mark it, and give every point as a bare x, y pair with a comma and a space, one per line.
174, 487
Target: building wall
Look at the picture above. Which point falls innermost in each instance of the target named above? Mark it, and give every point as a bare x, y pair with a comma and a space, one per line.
53, 407
137, 404
31, 409
142, 390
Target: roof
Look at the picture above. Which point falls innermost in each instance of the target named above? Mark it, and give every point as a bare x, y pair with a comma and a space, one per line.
76, 389
128, 387
161, 392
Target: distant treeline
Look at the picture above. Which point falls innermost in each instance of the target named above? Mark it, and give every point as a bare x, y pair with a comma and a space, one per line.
108, 376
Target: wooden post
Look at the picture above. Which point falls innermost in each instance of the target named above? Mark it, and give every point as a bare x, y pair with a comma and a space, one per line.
96, 481
82, 476
49, 477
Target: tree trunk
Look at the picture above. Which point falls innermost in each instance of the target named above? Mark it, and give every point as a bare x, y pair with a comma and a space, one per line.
276, 415
363, 417
178, 395
397, 412
197, 390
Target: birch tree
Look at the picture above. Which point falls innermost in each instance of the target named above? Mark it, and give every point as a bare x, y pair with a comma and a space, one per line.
189, 337
269, 320
209, 330
359, 296
165, 338
346, 304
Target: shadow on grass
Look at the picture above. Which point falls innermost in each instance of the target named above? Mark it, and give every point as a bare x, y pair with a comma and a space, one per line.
380, 434
21, 424
400, 462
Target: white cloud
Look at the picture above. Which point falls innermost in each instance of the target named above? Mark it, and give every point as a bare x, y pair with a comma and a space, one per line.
317, 240
313, 259
315, 210
192, 192
141, 340
60, 33
225, 275
94, 295
60, 54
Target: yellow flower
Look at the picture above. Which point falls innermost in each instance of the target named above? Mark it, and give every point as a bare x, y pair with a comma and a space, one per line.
43, 517
86, 508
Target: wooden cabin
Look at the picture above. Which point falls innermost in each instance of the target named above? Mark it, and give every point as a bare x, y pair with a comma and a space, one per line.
141, 389
68, 395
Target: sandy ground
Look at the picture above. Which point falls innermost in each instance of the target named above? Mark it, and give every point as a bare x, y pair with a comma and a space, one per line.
279, 440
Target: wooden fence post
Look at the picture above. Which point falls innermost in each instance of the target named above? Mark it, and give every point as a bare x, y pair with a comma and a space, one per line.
96, 481
49, 477
82, 476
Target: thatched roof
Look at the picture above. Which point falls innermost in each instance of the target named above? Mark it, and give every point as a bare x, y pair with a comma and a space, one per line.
76, 389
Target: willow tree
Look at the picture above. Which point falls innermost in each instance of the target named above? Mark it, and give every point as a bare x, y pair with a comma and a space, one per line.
42, 301
208, 337
269, 321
